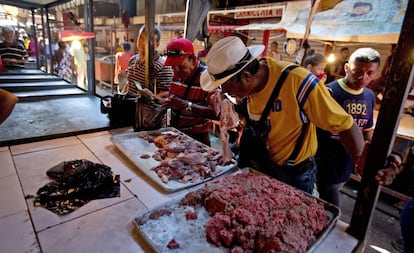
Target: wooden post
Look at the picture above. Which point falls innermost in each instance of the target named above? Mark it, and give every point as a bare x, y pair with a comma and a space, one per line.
149, 44
89, 26
398, 84
266, 36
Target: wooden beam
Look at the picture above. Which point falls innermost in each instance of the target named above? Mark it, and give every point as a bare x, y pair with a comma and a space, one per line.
396, 91
149, 44
89, 27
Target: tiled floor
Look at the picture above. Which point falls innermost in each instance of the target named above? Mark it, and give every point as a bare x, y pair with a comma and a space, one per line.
104, 225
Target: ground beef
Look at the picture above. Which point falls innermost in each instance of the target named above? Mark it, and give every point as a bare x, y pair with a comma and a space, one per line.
255, 213
189, 215
173, 244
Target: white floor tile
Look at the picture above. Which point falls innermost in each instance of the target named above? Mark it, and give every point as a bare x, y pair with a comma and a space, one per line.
89, 135
149, 193
4, 148
32, 167
121, 165
37, 163
43, 218
6, 164
42, 145
17, 234
108, 230
11, 196
98, 144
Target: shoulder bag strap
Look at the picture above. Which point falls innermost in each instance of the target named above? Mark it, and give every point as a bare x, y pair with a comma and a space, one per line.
187, 90
266, 112
272, 97
191, 81
276, 91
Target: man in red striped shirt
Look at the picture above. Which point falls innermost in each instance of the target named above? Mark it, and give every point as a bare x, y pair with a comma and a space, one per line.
191, 106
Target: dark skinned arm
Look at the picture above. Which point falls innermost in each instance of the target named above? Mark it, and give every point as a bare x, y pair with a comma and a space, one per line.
353, 141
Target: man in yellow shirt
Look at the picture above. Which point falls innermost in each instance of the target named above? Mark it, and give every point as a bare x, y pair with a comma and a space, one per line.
290, 127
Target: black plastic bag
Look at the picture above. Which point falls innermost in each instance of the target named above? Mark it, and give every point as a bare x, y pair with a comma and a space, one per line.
120, 109
76, 182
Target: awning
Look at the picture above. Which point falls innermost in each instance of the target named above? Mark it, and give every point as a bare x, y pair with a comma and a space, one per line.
222, 28
370, 21
263, 26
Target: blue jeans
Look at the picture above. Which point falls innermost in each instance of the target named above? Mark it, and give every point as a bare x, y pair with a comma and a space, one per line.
306, 180
301, 176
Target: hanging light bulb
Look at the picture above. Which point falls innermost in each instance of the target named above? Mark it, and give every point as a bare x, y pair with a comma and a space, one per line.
331, 58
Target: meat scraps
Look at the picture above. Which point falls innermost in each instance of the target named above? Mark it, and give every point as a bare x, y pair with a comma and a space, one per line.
155, 215
182, 158
228, 120
173, 244
256, 213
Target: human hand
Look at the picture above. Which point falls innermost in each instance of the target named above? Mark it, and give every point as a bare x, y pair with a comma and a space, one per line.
387, 175
324, 77
175, 102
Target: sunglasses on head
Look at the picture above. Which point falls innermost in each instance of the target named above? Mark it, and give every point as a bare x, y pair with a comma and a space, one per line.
175, 53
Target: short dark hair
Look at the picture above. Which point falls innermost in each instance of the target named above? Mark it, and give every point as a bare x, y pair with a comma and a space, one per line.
252, 68
361, 4
314, 59
365, 54
126, 46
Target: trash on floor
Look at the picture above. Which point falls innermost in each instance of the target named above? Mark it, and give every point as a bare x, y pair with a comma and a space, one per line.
76, 183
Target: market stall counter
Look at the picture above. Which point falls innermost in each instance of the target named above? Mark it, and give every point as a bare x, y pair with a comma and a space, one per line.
406, 128
105, 70
101, 225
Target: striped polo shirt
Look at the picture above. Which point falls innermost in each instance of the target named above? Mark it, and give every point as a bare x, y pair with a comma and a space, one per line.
136, 72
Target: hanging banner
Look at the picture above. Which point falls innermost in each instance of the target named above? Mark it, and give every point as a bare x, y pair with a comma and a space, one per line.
371, 21
349, 20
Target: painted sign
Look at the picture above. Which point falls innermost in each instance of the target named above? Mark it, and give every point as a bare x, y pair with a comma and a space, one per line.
259, 11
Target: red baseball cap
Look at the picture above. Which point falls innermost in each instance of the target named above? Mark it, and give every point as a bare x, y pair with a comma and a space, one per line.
177, 51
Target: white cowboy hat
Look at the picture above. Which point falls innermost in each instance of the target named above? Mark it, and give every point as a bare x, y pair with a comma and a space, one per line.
226, 58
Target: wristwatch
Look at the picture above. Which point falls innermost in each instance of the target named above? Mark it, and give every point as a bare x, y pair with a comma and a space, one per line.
188, 108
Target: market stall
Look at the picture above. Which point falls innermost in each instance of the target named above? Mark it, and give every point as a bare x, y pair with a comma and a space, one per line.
139, 193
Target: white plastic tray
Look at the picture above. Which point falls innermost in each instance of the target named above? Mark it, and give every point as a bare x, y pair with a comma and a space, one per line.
132, 146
